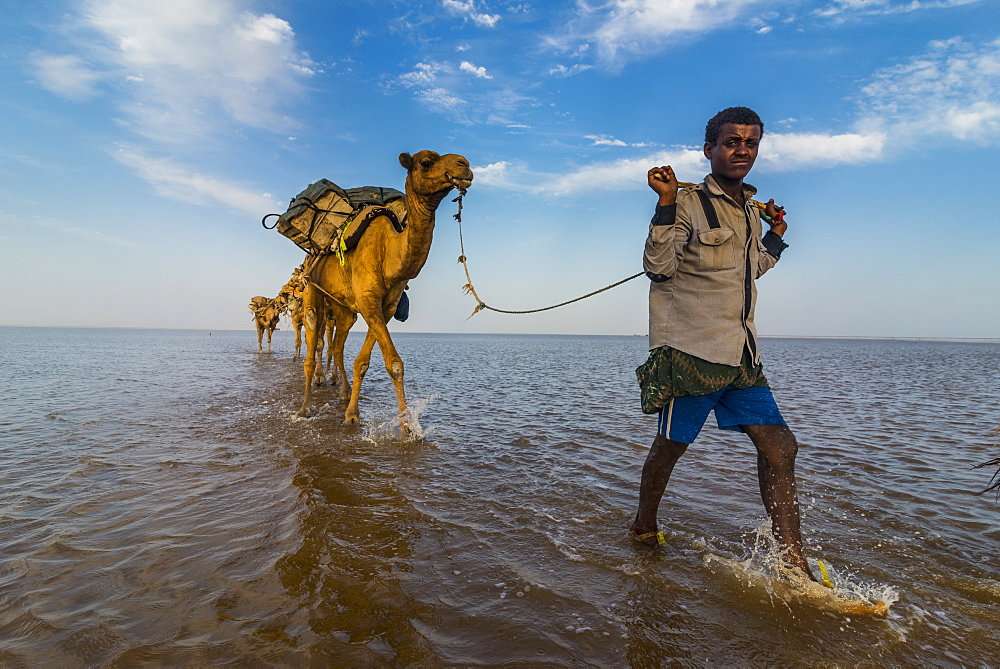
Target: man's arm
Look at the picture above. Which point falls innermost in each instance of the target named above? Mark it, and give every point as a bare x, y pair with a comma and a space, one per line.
772, 244
660, 258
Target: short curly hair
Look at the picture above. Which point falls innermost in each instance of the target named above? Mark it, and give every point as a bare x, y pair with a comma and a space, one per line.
737, 115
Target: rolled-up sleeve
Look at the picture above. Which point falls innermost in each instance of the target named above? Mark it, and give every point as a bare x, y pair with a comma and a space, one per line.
770, 248
660, 256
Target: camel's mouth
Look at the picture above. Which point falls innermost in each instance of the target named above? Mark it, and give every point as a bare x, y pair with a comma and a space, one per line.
461, 184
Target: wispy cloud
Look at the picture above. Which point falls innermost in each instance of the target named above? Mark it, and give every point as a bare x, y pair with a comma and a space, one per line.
445, 89
779, 153
90, 234
604, 140
179, 69
951, 90
422, 75
623, 30
467, 10
638, 27
561, 70
67, 76
179, 182
440, 99
843, 8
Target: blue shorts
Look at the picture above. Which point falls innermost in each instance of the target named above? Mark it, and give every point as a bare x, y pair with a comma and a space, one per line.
683, 417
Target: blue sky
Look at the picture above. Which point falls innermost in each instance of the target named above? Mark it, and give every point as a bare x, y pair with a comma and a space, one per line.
142, 142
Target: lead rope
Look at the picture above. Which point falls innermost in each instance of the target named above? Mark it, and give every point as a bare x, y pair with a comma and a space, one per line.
470, 289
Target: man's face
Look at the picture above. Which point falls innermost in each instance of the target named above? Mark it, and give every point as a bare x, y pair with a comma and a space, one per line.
734, 151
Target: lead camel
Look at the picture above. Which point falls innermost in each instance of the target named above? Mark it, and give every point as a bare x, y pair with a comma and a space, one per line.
374, 274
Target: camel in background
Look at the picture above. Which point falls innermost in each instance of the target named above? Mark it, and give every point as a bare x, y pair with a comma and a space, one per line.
266, 313
374, 275
295, 310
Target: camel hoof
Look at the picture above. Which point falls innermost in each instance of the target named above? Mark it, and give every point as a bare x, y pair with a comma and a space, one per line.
304, 413
352, 420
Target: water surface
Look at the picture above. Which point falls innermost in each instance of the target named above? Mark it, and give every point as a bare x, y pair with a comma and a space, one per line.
160, 503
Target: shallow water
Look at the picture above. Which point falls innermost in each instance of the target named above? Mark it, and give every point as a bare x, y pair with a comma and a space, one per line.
161, 504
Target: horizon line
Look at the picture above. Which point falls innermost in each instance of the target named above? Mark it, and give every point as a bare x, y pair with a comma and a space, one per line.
535, 334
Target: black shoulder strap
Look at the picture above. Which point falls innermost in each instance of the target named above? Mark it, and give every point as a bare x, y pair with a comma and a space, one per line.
710, 213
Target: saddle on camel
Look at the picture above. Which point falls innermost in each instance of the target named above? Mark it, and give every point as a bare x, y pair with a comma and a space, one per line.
363, 246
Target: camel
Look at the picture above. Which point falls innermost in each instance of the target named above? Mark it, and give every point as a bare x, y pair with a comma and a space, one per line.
374, 275
265, 316
296, 315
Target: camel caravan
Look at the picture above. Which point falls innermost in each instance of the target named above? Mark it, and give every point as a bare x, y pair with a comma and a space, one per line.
363, 246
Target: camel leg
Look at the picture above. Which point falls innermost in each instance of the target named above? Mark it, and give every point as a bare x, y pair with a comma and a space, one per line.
260, 338
345, 320
331, 327
378, 331
320, 377
352, 416
312, 318
298, 339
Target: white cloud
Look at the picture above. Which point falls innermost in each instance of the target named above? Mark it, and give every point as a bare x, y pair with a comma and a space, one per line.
67, 76
563, 71
624, 29
790, 151
192, 65
779, 153
641, 26
624, 174
467, 10
495, 174
840, 8
441, 99
480, 72
951, 90
423, 74
178, 182
604, 140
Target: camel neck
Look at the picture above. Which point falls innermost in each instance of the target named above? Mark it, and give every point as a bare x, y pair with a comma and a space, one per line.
419, 230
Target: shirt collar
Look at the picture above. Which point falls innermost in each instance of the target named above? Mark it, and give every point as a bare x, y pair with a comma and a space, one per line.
714, 189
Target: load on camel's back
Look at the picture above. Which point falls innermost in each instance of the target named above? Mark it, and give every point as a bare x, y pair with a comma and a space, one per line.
361, 255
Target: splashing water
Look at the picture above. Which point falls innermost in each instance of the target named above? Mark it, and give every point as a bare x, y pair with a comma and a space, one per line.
383, 424
767, 568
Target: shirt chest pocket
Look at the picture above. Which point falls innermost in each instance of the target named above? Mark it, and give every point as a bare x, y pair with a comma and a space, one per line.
716, 249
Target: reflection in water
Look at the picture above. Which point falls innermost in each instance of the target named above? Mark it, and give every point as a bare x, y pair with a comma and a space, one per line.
356, 528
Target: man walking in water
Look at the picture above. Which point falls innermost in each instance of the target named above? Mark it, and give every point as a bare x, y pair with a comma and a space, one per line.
704, 250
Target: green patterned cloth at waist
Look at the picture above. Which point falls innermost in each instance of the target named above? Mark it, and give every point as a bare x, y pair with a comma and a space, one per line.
671, 373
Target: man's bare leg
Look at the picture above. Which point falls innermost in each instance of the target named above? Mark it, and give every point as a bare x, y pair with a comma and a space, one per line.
776, 451
660, 461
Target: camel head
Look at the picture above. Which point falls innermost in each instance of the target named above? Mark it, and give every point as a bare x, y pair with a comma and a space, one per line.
432, 175
257, 303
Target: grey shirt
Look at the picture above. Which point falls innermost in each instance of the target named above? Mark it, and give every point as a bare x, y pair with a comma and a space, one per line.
702, 301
